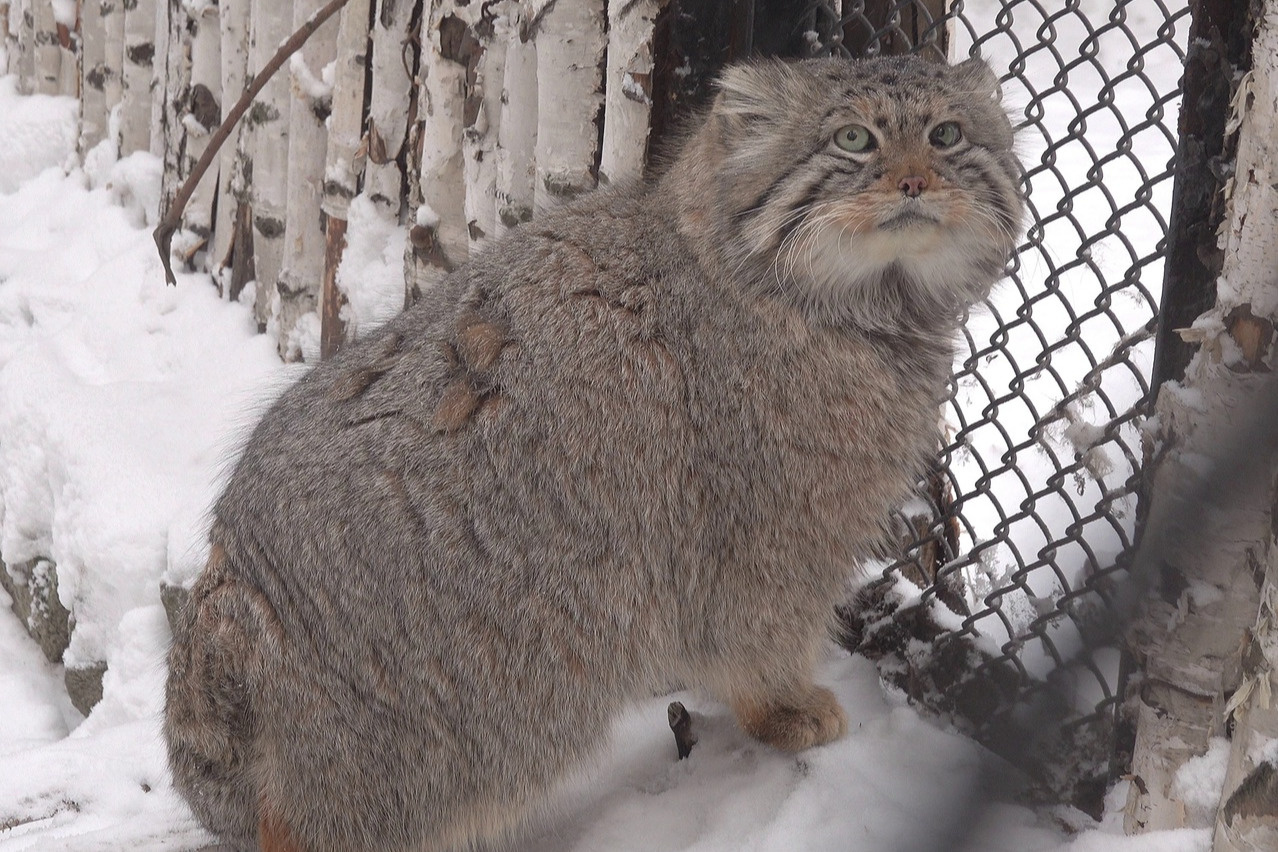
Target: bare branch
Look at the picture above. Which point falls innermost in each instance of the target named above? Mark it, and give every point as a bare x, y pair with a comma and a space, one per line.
169, 224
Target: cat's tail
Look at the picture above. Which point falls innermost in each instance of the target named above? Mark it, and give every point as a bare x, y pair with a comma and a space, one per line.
208, 714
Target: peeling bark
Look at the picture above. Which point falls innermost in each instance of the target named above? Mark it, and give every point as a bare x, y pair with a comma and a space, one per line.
485, 72
1247, 301
393, 66
1209, 643
628, 90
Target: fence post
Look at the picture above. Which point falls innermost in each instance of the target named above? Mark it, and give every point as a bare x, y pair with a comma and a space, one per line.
1207, 655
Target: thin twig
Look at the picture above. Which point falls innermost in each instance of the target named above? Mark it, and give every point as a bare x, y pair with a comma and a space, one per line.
173, 218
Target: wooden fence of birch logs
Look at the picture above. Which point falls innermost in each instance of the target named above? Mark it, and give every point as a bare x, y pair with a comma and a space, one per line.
458, 118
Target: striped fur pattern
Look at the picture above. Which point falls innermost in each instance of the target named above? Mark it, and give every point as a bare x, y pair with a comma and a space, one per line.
829, 229
640, 442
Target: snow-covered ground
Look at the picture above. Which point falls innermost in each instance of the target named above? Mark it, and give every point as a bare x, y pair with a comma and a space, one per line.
121, 401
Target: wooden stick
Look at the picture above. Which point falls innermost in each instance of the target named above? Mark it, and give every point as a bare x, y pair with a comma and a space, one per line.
172, 219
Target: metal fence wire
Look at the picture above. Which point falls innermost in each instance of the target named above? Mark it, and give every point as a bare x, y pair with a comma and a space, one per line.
1030, 518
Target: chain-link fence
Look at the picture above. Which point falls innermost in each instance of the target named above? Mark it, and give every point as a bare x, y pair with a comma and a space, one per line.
1031, 515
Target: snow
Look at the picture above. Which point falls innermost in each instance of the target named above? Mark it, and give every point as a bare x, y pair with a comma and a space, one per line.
372, 272
122, 404
1199, 780
306, 83
36, 133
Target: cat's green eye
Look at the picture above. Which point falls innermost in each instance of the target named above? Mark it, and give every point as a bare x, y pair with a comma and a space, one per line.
855, 138
946, 134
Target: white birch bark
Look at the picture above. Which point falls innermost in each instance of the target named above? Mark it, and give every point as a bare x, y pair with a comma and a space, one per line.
344, 162
517, 130
22, 57
570, 48
169, 136
1247, 302
8, 40
387, 118
303, 261
113, 61
47, 53
93, 75
481, 121
439, 241
68, 49
1214, 654
233, 27
138, 71
160, 80
344, 158
628, 90
266, 127
200, 115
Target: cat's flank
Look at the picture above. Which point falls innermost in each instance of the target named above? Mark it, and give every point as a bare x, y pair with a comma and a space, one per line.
640, 441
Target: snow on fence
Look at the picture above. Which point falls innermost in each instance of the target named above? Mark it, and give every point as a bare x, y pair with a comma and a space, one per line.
444, 123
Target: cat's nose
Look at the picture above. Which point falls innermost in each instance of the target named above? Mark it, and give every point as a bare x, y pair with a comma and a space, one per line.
913, 185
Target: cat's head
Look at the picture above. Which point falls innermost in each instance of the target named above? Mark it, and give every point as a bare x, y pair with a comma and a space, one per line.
864, 190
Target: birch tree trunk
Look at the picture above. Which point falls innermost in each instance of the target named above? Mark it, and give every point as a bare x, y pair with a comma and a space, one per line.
266, 168
570, 48
628, 90
485, 76
47, 53
1212, 655
139, 68
199, 116
439, 240
93, 69
22, 58
517, 130
1248, 308
68, 30
344, 162
302, 270
393, 67
112, 12
168, 135
160, 85
231, 240
8, 42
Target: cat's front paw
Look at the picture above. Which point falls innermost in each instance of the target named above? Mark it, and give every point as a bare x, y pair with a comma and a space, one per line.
796, 723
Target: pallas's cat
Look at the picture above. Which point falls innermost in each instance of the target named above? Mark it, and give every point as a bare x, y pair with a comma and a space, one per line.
640, 441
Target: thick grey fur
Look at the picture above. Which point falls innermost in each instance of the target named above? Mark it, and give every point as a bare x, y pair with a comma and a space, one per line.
640, 441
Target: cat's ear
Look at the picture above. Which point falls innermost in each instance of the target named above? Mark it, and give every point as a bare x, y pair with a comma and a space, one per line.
976, 76
754, 90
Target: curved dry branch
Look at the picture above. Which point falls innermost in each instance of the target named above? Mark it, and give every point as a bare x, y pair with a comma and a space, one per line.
172, 219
